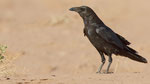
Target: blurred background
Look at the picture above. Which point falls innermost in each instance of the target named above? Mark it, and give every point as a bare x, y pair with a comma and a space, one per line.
44, 37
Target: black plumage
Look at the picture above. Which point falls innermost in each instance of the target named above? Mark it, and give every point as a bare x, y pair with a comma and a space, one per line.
104, 39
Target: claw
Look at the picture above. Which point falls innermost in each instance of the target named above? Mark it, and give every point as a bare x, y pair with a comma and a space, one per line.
98, 72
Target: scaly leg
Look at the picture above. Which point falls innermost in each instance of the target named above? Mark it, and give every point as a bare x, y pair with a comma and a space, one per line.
103, 62
110, 61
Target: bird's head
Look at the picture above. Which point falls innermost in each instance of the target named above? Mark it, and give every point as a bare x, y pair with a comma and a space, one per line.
84, 11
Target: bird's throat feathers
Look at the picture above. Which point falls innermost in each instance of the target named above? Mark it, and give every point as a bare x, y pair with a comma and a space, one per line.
91, 18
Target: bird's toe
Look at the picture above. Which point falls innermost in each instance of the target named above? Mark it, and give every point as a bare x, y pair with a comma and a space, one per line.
98, 72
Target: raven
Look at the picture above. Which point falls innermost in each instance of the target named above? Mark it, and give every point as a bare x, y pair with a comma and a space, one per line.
105, 40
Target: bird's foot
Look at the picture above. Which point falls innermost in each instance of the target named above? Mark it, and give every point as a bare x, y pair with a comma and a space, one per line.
108, 72
98, 72
105, 72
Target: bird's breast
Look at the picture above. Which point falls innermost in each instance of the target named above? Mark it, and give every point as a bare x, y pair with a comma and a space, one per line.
91, 31
92, 35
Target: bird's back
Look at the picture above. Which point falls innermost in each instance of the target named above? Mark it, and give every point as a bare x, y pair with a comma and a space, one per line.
98, 42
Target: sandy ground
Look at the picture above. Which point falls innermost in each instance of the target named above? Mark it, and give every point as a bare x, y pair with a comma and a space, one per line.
46, 44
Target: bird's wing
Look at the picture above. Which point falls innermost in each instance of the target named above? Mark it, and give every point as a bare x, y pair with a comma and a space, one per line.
123, 40
109, 36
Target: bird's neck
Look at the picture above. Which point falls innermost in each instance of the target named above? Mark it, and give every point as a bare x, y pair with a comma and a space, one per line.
92, 18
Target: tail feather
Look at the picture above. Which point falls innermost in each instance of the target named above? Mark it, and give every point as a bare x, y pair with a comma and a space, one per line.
131, 50
132, 54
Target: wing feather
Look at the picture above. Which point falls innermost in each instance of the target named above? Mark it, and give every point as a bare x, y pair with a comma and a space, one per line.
109, 36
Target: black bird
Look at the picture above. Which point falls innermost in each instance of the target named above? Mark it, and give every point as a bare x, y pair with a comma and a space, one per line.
104, 39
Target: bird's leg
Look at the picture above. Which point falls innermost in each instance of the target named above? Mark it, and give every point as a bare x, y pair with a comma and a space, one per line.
110, 61
103, 62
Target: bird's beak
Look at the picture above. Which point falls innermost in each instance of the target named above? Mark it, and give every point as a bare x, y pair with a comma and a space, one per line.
72, 9
76, 9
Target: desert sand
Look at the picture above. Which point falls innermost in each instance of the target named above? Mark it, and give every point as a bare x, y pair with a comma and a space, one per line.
46, 44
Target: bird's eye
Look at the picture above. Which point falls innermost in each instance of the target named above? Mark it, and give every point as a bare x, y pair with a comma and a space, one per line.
82, 9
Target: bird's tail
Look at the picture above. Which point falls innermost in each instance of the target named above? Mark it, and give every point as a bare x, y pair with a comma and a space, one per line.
132, 54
